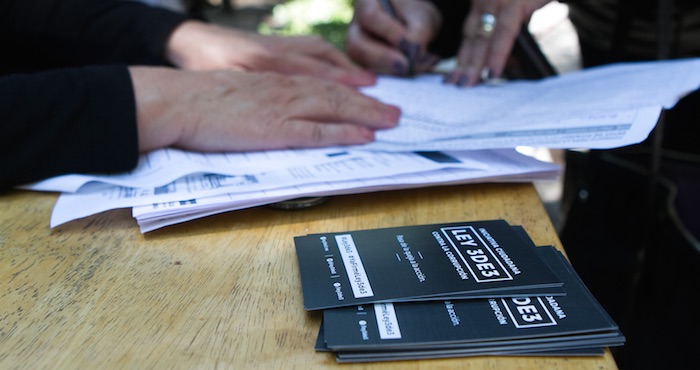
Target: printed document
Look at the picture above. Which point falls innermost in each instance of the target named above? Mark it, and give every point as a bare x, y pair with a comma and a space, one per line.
351, 174
598, 108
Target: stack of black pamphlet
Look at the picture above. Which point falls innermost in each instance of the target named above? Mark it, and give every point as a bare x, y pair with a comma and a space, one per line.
447, 290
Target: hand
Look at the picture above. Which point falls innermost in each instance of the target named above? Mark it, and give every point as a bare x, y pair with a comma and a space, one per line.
199, 46
488, 51
242, 111
383, 43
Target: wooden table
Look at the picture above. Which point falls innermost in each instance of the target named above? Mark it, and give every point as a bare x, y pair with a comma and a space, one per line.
220, 292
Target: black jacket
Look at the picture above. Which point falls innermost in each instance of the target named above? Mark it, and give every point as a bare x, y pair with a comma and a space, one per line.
66, 99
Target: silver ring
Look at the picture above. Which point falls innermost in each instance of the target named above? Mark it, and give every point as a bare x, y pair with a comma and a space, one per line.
488, 23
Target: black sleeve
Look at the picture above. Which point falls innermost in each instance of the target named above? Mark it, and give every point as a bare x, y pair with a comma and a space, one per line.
66, 121
42, 34
454, 13
66, 98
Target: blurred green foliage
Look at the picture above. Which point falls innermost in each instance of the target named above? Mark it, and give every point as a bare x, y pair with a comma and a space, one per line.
327, 18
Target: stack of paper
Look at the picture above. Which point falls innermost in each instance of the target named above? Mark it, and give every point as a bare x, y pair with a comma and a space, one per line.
446, 290
446, 135
171, 186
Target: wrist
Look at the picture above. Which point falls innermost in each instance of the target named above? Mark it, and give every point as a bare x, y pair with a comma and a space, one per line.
155, 119
178, 50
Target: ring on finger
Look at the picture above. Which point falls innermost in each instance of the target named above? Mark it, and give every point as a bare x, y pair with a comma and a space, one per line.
488, 23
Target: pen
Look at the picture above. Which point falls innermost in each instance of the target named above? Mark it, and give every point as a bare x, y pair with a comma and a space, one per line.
407, 49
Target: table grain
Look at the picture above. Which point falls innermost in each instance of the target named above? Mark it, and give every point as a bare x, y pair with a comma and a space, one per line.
219, 292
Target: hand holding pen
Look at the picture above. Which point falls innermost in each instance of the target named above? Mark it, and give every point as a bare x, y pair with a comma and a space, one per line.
407, 48
392, 37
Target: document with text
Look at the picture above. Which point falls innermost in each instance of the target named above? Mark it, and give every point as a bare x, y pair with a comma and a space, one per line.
338, 176
598, 108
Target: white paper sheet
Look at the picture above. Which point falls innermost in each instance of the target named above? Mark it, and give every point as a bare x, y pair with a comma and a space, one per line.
603, 107
164, 166
503, 166
98, 198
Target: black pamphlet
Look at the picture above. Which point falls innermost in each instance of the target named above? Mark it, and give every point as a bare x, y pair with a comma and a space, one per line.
474, 259
574, 324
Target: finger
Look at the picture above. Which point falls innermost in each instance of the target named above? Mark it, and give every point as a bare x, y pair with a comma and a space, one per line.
472, 53
375, 55
422, 22
331, 63
306, 133
295, 64
317, 47
327, 101
372, 19
507, 29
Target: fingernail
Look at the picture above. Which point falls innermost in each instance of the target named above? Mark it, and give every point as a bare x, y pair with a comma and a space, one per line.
463, 80
450, 78
367, 78
393, 113
367, 135
400, 68
409, 49
412, 53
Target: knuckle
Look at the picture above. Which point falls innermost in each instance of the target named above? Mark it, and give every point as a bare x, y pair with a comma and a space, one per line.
334, 98
317, 135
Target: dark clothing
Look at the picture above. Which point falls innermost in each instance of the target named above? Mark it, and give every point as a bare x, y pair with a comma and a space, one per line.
632, 242
615, 30
641, 202
634, 253
77, 120
66, 99
449, 37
